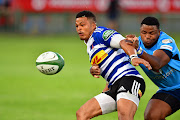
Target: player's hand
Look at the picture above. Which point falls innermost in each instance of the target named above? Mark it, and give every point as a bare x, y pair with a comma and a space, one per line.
95, 71
132, 40
137, 61
130, 36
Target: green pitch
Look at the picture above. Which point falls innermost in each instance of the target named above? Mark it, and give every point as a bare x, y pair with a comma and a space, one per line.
27, 94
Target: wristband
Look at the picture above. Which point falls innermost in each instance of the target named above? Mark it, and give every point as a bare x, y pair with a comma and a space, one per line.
140, 51
133, 56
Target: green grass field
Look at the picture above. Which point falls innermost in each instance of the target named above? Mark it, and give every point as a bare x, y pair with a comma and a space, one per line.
27, 94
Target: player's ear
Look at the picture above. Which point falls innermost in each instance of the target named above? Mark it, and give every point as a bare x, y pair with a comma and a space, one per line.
159, 32
94, 25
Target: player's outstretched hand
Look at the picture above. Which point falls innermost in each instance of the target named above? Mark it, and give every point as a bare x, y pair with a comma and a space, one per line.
137, 61
132, 40
95, 71
130, 36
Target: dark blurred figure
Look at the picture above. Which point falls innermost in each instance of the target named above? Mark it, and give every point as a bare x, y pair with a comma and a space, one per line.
113, 14
6, 18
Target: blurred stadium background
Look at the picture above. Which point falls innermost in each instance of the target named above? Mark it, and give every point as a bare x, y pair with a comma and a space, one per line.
31, 27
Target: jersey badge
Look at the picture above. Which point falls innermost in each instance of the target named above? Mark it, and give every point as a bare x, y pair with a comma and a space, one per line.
107, 34
168, 47
167, 41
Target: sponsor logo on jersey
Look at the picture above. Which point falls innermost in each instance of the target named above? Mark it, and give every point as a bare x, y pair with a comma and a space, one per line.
167, 41
166, 47
121, 89
107, 34
99, 57
135, 88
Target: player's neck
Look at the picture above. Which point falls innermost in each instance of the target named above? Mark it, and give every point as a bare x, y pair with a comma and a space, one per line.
90, 35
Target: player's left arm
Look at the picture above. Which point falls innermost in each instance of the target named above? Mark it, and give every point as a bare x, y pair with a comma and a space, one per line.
160, 57
117, 41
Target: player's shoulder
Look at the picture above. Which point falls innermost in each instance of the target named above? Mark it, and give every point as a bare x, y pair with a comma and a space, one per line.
104, 32
166, 42
165, 38
99, 29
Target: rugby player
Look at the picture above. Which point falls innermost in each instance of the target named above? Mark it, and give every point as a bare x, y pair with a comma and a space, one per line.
124, 83
160, 50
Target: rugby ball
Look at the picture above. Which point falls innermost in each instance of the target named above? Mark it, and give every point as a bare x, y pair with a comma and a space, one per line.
50, 63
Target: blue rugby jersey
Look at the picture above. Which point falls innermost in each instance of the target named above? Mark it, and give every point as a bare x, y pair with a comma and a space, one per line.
114, 63
168, 77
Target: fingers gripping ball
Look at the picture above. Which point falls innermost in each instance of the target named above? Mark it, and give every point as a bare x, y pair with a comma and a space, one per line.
50, 63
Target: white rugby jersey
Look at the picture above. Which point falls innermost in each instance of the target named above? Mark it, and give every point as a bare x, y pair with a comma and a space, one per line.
113, 61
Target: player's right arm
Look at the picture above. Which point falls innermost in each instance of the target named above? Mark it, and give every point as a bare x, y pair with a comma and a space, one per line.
95, 71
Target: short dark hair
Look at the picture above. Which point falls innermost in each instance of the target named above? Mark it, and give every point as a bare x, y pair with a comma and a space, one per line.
150, 21
87, 14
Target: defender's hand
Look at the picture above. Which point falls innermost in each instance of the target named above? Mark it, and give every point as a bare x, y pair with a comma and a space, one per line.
130, 36
95, 71
137, 61
133, 41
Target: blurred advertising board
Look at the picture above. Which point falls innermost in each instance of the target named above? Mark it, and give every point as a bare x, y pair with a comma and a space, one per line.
61, 5
133, 6
150, 6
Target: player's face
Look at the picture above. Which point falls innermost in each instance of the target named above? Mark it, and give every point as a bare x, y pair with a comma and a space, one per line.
149, 35
85, 27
